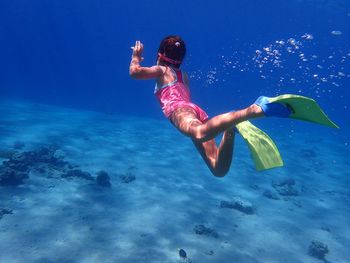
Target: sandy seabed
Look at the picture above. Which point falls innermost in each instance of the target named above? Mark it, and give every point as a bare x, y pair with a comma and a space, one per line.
172, 200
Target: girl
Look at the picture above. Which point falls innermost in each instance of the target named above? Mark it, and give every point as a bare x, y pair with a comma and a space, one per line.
172, 91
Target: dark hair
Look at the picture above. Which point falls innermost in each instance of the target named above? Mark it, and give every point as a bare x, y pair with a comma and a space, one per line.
173, 48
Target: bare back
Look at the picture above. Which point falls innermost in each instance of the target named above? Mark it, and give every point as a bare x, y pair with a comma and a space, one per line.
168, 76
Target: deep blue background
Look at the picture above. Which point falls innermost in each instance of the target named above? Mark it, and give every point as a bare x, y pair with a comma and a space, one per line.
76, 53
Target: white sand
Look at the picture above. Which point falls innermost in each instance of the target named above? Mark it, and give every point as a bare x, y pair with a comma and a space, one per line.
147, 220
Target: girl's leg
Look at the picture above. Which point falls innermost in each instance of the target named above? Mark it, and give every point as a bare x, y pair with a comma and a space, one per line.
189, 124
218, 159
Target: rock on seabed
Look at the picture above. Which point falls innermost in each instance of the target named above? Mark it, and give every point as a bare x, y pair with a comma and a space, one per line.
239, 204
203, 230
318, 249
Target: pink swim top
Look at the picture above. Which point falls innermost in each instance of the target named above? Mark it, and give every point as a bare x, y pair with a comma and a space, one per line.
175, 95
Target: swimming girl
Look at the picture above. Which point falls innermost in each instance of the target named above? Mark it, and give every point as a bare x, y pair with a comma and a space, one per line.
172, 91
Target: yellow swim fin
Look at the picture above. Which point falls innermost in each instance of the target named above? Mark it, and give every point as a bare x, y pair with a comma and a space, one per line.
263, 150
305, 109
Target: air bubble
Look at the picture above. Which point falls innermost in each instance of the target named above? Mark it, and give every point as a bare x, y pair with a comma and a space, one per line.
292, 41
307, 36
311, 70
336, 32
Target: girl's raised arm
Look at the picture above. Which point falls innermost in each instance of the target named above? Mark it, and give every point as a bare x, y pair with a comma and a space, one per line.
138, 72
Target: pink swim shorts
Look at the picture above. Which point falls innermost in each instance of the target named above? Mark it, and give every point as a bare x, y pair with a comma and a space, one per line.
200, 113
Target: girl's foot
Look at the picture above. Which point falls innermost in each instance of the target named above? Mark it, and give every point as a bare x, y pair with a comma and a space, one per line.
273, 109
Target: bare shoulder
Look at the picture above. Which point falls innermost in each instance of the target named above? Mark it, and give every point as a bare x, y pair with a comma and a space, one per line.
161, 68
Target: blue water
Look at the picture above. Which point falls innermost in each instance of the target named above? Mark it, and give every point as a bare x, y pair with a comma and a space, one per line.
75, 55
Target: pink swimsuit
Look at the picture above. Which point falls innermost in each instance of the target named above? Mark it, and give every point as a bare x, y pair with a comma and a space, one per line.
175, 95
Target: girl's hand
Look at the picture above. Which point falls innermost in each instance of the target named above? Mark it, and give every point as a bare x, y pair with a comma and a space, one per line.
138, 72
137, 51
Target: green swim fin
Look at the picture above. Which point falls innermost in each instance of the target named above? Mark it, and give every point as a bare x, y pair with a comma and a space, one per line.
263, 150
305, 109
